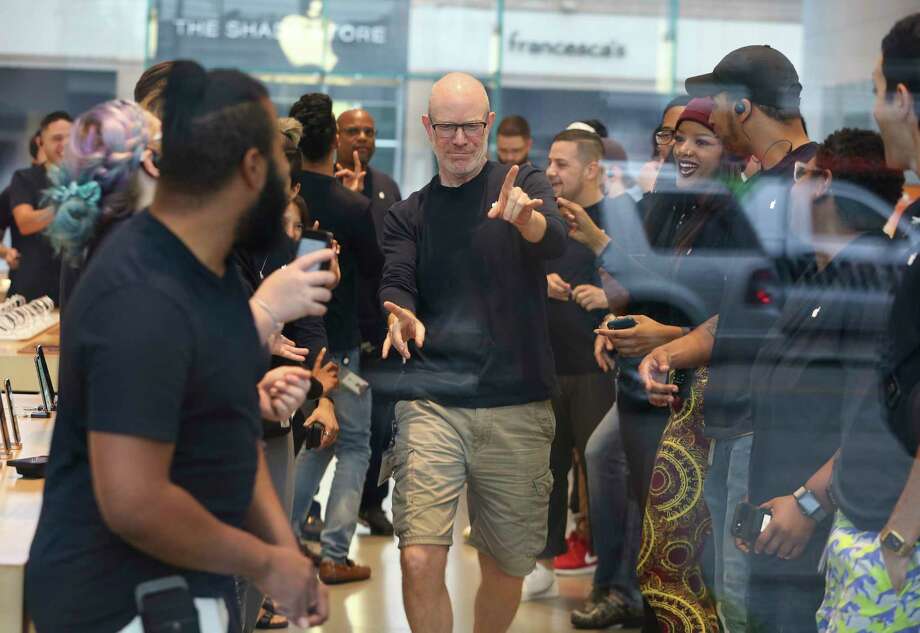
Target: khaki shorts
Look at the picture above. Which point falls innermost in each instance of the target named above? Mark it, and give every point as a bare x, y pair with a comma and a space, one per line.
502, 456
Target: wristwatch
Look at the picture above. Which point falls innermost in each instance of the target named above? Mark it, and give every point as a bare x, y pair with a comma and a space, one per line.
894, 542
809, 504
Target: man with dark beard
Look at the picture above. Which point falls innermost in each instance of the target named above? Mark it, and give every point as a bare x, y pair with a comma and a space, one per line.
156, 466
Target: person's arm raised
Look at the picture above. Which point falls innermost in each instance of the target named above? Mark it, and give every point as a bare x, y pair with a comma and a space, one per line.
292, 292
517, 208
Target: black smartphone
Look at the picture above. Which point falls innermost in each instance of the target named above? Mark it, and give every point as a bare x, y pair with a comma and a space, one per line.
166, 606
314, 436
749, 521
623, 323
52, 394
312, 241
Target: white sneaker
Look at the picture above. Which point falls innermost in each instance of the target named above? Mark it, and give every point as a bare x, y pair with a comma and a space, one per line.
540, 584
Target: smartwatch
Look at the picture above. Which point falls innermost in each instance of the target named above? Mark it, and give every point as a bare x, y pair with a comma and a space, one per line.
894, 542
809, 504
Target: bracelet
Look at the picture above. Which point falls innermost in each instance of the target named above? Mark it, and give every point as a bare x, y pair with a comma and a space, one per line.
277, 325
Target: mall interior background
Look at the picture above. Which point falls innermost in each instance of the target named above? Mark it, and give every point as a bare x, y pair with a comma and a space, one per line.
550, 60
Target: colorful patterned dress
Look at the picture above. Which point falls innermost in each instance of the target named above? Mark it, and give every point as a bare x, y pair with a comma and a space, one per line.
677, 524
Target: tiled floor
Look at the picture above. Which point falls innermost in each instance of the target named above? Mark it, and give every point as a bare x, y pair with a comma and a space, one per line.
375, 606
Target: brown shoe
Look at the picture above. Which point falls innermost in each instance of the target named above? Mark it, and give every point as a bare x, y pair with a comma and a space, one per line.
333, 573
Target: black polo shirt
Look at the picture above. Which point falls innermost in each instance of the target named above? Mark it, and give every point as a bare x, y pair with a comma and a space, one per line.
383, 193
39, 269
571, 327
741, 330
347, 215
882, 433
155, 346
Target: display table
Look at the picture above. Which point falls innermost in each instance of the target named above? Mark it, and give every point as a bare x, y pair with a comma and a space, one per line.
20, 505
17, 359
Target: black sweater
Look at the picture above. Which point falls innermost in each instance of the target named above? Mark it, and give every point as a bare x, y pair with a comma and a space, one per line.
480, 289
347, 215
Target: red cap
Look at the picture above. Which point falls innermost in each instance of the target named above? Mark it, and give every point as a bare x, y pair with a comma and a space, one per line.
698, 111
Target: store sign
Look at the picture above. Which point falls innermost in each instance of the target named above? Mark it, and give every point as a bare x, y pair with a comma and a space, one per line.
567, 49
580, 44
367, 36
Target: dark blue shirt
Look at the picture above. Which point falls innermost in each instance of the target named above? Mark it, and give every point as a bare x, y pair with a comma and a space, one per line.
155, 346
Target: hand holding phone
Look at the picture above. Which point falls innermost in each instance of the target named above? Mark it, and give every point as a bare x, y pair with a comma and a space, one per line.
315, 240
749, 521
623, 323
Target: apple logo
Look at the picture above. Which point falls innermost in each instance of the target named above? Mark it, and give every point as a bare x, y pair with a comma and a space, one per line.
306, 40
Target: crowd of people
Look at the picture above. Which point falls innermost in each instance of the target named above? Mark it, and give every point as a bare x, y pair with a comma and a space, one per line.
712, 361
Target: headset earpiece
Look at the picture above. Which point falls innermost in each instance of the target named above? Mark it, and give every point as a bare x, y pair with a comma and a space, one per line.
740, 107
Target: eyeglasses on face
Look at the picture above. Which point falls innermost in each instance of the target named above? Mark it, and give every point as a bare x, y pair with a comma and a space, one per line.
356, 131
664, 135
472, 129
803, 171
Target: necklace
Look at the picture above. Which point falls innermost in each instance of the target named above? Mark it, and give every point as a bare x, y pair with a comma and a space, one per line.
772, 145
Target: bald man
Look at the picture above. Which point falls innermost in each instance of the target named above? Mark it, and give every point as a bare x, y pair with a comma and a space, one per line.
357, 142
464, 285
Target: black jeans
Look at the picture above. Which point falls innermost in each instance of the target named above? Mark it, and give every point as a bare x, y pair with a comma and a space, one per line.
580, 406
379, 374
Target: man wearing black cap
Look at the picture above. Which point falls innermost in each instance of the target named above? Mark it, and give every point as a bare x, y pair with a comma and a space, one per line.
757, 94
756, 90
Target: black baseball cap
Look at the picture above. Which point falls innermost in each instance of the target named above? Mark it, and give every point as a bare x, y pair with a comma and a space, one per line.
759, 73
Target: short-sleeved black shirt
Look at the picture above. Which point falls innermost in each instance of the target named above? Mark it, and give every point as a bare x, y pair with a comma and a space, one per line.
155, 346
383, 193
6, 211
882, 434
571, 327
39, 270
822, 345
740, 330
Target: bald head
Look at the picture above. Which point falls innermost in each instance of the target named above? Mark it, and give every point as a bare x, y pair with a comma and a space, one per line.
457, 91
357, 133
458, 125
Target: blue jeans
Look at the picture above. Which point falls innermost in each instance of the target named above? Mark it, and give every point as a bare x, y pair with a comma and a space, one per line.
614, 517
352, 450
726, 486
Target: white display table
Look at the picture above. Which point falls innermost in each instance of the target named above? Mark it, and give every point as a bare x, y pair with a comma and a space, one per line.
20, 504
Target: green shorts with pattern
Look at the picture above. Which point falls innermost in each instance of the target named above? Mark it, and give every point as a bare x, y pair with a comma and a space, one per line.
859, 597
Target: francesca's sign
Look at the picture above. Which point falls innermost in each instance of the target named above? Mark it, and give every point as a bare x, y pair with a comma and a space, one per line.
581, 45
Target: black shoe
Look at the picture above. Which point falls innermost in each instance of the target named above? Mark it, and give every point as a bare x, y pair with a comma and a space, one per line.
376, 519
612, 610
311, 529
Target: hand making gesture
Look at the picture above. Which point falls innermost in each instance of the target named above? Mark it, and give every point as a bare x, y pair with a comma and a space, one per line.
352, 179
403, 326
513, 204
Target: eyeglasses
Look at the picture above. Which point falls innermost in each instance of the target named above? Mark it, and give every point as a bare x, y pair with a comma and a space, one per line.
356, 131
664, 135
802, 171
473, 129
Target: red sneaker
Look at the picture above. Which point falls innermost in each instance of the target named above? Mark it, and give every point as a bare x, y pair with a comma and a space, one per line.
577, 560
